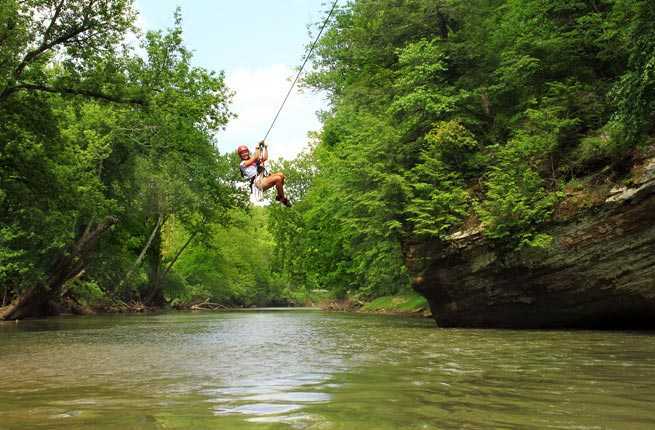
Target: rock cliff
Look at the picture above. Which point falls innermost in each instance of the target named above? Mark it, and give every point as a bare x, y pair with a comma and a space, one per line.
598, 273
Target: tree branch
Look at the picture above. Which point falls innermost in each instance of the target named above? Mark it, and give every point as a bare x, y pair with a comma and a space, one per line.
71, 91
33, 55
46, 34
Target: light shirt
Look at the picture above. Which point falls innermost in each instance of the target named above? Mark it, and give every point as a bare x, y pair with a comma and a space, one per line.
250, 171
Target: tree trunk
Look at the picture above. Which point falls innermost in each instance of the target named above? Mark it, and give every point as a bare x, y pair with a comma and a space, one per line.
44, 299
179, 252
443, 25
139, 259
155, 295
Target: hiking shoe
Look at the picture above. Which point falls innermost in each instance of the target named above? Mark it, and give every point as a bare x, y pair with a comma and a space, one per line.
283, 200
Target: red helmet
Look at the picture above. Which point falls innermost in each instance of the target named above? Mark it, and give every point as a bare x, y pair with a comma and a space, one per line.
243, 149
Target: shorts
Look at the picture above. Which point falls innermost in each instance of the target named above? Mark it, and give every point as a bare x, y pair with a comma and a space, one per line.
258, 182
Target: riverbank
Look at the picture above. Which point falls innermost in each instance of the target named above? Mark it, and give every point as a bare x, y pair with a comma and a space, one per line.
406, 304
403, 304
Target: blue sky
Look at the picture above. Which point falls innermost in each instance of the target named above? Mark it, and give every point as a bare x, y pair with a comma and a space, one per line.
258, 43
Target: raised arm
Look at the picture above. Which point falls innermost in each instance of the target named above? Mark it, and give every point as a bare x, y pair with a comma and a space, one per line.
264, 155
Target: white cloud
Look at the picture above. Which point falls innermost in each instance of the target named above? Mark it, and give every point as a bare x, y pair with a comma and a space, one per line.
259, 94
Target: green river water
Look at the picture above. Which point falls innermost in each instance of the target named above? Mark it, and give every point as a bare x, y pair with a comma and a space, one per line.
314, 370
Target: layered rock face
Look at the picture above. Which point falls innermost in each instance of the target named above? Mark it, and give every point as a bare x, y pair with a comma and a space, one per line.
598, 273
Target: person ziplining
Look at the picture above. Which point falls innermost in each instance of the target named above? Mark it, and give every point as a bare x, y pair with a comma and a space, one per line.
253, 167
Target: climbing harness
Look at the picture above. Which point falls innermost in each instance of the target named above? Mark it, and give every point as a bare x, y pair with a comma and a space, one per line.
262, 172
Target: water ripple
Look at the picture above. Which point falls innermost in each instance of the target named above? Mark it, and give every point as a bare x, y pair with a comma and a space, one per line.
311, 370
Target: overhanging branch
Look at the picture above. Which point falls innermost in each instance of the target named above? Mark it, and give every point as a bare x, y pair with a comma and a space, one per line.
72, 91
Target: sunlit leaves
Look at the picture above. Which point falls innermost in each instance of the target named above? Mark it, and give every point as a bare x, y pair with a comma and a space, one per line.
515, 205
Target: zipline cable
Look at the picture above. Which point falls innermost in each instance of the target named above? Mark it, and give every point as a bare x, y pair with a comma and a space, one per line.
303, 66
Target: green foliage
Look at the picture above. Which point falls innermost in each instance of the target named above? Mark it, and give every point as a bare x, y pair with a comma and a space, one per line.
234, 266
91, 131
515, 205
602, 147
87, 292
444, 111
454, 145
82, 36
439, 200
422, 84
333, 237
408, 302
635, 91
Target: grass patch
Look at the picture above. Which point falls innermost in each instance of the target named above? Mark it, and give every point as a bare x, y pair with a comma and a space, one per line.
408, 302
308, 297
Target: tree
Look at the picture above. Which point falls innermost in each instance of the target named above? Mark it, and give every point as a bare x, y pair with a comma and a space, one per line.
91, 158
82, 35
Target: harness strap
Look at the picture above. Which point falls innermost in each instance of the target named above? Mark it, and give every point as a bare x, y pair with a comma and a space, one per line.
262, 172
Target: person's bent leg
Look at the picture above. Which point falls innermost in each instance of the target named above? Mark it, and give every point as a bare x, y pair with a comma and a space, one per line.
275, 180
280, 185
